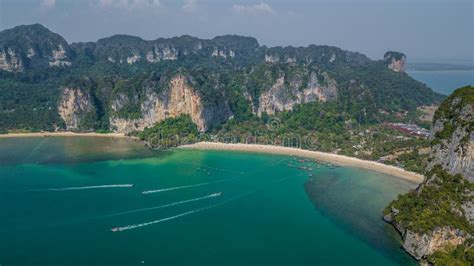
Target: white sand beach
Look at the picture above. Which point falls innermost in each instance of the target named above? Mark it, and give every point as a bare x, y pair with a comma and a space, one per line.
320, 156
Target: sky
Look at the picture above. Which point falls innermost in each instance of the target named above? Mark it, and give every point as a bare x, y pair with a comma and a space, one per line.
425, 30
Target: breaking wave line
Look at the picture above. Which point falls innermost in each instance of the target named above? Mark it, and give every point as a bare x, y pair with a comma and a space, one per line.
90, 187
134, 226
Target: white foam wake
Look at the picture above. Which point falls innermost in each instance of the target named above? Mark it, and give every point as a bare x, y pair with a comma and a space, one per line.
90, 187
174, 188
213, 195
134, 226
183, 187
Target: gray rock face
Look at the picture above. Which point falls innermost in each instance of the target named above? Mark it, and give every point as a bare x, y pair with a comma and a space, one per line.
455, 153
395, 60
74, 105
180, 98
11, 61
468, 209
452, 149
33, 46
288, 92
420, 245
125, 49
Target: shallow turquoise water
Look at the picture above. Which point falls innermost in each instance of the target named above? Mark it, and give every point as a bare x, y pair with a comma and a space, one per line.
444, 82
268, 213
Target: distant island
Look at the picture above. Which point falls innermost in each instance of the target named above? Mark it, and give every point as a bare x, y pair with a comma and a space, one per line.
437, 67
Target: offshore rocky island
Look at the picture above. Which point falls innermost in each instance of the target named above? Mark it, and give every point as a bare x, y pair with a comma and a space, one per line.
232, 87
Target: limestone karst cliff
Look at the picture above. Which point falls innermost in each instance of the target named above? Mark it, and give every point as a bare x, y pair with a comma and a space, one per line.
75, 106
154, 99
453, 136
284, 94
395, 60
29, 47
177, 99
437, 217
133, 83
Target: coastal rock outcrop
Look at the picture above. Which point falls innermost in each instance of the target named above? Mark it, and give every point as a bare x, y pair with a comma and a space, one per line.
420, 245
437, 217
395, 60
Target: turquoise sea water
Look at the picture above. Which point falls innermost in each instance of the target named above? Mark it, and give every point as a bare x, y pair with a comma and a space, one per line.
444, 82
222, 208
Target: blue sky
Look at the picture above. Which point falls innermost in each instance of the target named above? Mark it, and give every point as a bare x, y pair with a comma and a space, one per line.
440, 30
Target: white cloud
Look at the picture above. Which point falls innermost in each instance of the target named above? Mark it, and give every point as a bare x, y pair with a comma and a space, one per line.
262, 8
190, 6
47, 3
130, 4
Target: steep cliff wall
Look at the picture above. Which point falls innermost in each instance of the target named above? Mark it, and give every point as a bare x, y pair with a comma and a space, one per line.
286, 92
179, 98
75, 106
453, 137
10, 60
438, 215
420, 245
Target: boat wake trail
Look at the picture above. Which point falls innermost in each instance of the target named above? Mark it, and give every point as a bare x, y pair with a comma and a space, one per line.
89, 219
34, 150
183, 187
90, 187
135, 226
213, 195
174, 188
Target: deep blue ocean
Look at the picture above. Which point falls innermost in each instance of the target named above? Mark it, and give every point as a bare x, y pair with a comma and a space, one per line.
444, 82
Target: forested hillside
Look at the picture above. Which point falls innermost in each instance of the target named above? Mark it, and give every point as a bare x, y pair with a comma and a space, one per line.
124, 83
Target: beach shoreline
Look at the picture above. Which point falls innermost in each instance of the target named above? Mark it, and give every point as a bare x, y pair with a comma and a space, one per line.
320, 156
64, 134
337, 159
